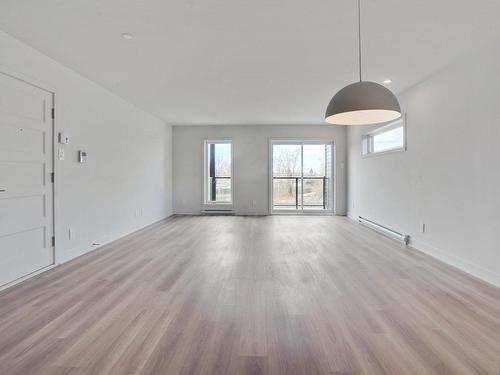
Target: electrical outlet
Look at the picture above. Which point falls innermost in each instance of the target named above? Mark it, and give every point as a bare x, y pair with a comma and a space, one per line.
254, 203
60, 154
422, 227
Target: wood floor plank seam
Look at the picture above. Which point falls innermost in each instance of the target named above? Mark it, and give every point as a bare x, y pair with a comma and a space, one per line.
251, 295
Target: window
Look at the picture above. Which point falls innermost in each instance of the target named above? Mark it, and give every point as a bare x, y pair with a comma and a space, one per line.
218, 172
301, 176
388, 138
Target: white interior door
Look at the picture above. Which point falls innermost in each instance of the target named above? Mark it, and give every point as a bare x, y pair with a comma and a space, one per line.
26, 189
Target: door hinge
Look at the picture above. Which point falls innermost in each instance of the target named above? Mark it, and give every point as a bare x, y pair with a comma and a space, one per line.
52, 177
53, 241
53, 113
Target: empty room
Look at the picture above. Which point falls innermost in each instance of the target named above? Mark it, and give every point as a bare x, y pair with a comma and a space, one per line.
235, 187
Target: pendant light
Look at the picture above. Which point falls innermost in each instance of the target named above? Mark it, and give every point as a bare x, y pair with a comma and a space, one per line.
362, 103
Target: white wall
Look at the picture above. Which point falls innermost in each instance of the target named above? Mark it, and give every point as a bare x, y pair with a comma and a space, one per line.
449, 178
251, 163
129, 155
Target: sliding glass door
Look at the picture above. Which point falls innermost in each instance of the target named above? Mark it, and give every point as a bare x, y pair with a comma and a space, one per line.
301, 176
287, 172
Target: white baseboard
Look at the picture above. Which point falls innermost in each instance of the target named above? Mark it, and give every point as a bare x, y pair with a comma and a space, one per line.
252, 213
29, 276
443, 256
463, 265
70, 254
246, 213
187, 212
352, 215
236, 213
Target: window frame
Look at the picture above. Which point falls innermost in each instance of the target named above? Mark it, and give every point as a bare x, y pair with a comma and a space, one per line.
332, 196
206, 173
367, 139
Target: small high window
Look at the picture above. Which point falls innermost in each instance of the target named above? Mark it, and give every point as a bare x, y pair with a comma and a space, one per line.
388, 138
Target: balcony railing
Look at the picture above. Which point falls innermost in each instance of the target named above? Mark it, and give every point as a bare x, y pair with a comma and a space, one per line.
322, 202
220, 189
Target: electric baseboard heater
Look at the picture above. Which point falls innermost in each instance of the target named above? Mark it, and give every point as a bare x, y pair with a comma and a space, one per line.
403, 238
217, 212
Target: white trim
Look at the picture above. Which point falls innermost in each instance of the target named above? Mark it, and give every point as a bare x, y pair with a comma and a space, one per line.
212, 211
188, 212
351, 215
461, 264
216, 205
72, 254
386, 152
388, 126
330, 211
334, 178
234, 213
251, 213
26, 277
51, 90
75, 252
368, 137
466, 266
304, 213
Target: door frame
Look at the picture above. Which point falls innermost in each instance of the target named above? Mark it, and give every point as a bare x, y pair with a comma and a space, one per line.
302, 141
11, 73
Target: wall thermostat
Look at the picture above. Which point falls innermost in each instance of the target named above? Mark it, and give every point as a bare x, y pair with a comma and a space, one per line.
64, 138
82, 156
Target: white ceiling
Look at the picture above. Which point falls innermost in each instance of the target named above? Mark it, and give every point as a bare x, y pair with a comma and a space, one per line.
247, 61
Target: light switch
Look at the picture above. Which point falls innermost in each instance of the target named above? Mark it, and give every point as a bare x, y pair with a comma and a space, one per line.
64, 138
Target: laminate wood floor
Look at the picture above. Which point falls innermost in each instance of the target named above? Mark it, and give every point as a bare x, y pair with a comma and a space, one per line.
251, 295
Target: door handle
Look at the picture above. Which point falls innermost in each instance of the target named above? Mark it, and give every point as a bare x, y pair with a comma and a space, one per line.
2, 190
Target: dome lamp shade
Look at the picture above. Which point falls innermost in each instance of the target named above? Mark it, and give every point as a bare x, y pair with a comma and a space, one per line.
363, 103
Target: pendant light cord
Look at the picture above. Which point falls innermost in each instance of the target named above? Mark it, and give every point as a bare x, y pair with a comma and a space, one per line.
359, 39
